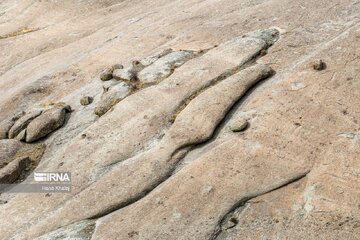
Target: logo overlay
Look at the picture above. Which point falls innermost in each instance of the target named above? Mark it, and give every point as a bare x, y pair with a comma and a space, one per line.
47, 182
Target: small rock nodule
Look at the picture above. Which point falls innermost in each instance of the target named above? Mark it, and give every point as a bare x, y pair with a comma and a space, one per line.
126, 74
106, 75
117, 66
86, 100
239, 125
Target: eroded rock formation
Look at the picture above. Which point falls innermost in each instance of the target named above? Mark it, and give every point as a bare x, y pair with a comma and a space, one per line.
206, 123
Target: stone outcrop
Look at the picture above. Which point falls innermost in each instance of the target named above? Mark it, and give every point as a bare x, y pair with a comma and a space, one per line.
11, 172
23, 122
5, 127
220, 120
8, 150
163, 66
47, 122
125, 74
106, 75
111, 96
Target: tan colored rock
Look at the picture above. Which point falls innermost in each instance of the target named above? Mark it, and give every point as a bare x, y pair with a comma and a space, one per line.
5, 126
163, 67
23, 122
111, 97
117, 66
8, 150
239, 124
163, 157
21, 136
12, 171
46, 123
301, 120
152, 58
125, 74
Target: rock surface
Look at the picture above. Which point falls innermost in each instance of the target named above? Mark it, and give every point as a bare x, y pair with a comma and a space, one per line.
163, 162
21, 136
125, 74
23, 122
86, 100
163, 66
11, 172
239, 124
47, 122
8, 150
5, 127
106, 75
111, 97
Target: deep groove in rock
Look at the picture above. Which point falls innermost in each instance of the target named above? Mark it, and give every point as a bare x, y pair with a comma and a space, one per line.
242, 202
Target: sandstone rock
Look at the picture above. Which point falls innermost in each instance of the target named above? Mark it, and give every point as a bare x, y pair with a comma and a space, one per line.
46, 123
239, 124
86, 100
164, 66
11, 172
23, 122
137, 66
106, 75
139, 120
180, 134
126, 74
5, 126
21, 136
270, 36
152, 58
293, 175
117, 66
111, 97
18, 115
8, 149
